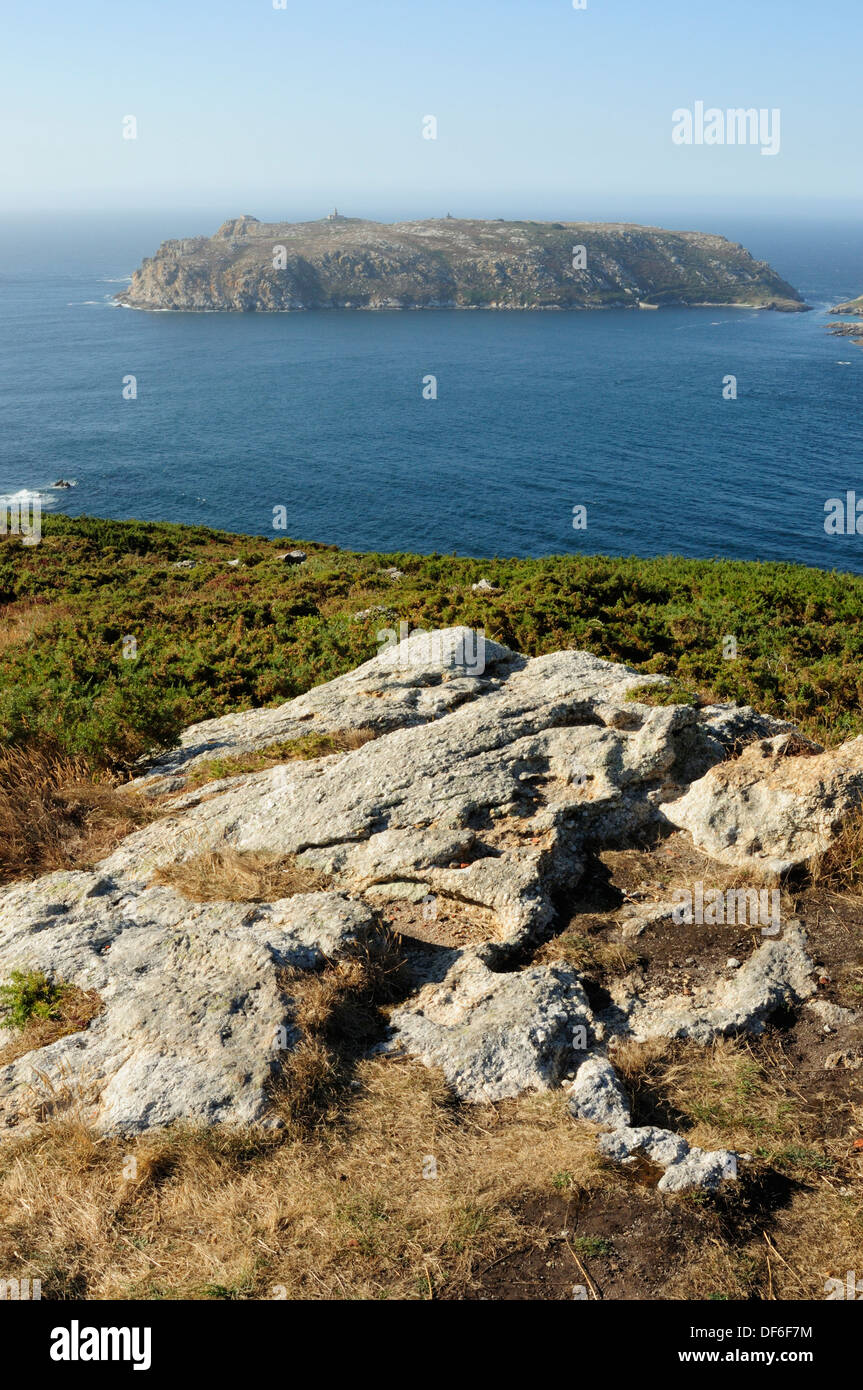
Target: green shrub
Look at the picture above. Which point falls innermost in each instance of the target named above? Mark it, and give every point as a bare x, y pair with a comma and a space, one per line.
29, 994
218, 638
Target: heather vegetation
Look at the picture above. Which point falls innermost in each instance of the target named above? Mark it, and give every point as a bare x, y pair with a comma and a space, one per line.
217, 637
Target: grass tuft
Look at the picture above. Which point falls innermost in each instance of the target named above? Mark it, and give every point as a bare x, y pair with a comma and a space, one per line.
307, 747
54, 816
231, 875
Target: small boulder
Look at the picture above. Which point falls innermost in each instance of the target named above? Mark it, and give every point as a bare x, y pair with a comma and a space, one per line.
597, 1094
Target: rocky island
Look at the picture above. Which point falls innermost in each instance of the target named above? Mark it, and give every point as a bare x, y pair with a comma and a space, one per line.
852, 306
450, 263
854, 331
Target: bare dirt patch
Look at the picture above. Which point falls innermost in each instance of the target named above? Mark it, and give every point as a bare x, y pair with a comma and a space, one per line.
598, 936
602, 1245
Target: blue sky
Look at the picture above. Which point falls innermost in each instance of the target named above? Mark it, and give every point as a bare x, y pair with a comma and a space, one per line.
543, 110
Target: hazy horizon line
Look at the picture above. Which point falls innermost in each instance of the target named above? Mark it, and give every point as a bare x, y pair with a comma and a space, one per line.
234, 206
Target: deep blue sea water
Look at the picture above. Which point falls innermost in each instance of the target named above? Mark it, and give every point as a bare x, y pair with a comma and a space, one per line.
536, 412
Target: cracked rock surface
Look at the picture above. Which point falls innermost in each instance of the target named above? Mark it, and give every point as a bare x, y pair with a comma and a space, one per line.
192, 1006
489, 784
777, 805
496, 1035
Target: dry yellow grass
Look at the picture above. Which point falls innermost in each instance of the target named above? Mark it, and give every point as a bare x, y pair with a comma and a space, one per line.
814, 1235
840, 868
344, 1211
798, 1219
727, 1095
591, 954
378, 1185
22, 620
727, 876
240, 876
342, 1203
54, 816
337, 1012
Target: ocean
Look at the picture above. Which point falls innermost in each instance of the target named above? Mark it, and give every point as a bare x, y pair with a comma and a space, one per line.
536, 414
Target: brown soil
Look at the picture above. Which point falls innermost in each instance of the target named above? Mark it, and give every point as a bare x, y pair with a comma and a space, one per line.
608, 1245
454, 924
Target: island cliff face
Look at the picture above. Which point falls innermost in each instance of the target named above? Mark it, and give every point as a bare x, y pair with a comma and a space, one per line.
853, 306
348, 263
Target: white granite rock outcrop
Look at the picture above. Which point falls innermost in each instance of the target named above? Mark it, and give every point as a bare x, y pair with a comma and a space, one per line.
776, 806
490, 780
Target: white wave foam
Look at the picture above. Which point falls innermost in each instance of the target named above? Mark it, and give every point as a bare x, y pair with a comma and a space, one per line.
26, 497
